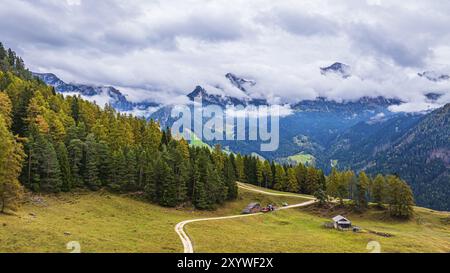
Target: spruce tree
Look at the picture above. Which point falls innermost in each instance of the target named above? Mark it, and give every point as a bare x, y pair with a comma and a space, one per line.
292, 184
279, 178
50, 171
267, 174
259, 173
201, 198
104, 166
362, 189
230, 179
300, 173
75, 150
240, 170
130, 178
91, 163
64, 164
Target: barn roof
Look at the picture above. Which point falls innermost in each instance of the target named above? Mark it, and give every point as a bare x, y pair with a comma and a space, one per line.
252, 205
340, 218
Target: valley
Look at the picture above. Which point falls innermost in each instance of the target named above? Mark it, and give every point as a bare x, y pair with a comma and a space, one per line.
106, 222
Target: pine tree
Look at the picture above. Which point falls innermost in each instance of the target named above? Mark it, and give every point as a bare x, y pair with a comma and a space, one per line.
104, 163
75, 150
64, 164
301, 173
149, 186
240, 171
75, 109
50, 171
167, 185
279, 178
259, 173
230, 179
267, 174
119, 170
91, 163
336, 186
180, 166
130, 179
2, 53
201, 198
292, 184
218, 158
312, 180
321, 196
362, 189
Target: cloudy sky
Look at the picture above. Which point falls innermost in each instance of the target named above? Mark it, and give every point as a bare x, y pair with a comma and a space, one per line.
163, 49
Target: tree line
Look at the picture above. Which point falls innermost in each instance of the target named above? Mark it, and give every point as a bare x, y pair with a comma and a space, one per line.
358, 189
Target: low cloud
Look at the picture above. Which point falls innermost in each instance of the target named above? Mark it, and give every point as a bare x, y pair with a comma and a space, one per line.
160, 50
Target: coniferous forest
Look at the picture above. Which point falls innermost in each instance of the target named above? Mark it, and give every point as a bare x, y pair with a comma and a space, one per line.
50, 143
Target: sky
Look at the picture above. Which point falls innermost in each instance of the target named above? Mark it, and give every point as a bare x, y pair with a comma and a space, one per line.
160, 50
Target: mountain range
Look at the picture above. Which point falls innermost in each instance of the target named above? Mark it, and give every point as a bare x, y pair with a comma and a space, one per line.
106, 94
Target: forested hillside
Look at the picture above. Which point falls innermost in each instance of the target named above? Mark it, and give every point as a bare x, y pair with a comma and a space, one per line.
422, 157
60, 144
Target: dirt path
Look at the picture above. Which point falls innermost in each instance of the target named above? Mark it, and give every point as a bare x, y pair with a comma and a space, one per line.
187, 244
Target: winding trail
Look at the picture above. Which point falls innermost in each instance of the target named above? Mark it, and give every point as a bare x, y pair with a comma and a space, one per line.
187, 244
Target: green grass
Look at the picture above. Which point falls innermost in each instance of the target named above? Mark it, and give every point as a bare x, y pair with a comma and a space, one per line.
300, 230
105, 222
197, 142
303, 158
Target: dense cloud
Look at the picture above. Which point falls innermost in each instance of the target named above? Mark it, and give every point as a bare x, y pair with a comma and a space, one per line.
163, 49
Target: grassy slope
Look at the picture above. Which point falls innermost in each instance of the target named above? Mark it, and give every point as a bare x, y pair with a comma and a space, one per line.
300, 230
104, 222
303, 158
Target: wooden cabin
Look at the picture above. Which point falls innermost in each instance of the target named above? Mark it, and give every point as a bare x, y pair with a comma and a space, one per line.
252, 208
340, 222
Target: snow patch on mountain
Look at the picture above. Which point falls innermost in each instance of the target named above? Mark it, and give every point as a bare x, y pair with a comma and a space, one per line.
337, 68
101, 95
240, 83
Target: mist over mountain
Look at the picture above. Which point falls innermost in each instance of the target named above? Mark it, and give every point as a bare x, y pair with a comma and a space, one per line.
100, 94
340, 69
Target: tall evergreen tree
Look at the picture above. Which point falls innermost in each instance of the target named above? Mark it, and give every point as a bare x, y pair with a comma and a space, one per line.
50, 171
362, 191
64, 164
104, 166
292, 184
230, 179
379, 190
240, 171
91, 163
279, 178
75, 150
267, 174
